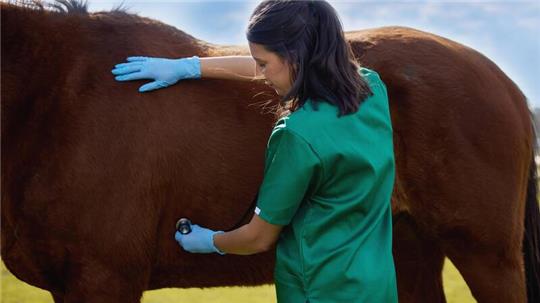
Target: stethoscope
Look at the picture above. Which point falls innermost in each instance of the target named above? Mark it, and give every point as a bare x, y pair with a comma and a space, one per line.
183, 225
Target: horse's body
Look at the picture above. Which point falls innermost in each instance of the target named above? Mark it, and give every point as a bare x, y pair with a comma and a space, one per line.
95, 174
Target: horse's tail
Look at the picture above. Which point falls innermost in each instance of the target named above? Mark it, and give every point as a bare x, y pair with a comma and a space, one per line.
531, 239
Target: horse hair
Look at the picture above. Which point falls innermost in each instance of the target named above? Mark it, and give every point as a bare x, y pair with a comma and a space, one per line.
63, 6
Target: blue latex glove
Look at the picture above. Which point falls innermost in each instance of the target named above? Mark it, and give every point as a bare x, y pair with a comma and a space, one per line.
164, 72
200, 240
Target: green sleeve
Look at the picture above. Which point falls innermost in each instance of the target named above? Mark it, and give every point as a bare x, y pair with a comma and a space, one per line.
291, 171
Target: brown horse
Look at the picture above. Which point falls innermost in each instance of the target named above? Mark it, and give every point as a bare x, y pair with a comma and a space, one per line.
95, 174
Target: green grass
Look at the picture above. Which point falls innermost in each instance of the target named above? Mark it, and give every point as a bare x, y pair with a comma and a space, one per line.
15, 291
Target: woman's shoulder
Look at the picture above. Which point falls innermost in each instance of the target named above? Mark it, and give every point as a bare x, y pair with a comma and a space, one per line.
366, 71
372, 77
315, 110
310, 117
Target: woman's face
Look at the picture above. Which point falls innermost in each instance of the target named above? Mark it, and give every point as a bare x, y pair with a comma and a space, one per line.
275, 70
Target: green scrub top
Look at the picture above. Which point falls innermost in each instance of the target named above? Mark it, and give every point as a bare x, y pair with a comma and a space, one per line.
329, 181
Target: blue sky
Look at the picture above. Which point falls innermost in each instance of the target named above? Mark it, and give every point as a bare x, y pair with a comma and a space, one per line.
506, 31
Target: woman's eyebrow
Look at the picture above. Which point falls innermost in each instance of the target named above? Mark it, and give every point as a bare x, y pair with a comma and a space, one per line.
257, 59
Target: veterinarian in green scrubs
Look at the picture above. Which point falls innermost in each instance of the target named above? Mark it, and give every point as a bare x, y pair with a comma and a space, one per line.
329, 180
329, 171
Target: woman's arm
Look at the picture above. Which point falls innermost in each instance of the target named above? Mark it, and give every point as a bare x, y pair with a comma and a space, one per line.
166, 72
229, 67
255, 237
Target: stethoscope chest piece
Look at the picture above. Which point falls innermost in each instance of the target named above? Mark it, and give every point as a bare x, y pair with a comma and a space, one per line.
183, 226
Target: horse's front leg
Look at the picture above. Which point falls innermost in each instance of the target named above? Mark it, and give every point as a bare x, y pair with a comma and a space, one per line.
94, 281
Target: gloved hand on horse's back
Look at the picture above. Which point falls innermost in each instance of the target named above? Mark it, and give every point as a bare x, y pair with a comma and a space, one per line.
164, 72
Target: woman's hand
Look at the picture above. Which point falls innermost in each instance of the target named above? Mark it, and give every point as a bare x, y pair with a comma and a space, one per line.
199, 240
255, 237
164, 72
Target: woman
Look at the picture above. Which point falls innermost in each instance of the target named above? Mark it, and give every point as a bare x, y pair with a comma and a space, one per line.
329, 172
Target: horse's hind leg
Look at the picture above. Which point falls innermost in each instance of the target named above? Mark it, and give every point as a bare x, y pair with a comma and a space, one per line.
493, 274
419, 262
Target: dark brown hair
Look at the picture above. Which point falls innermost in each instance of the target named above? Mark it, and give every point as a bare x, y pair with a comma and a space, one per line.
309, 36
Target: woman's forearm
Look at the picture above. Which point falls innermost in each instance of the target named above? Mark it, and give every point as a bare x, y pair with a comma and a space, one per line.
240, 241
255, 237
229, 67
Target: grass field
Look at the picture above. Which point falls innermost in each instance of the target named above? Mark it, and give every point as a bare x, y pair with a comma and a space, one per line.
14, 291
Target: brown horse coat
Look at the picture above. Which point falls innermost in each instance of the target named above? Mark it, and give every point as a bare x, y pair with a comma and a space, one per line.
95, 174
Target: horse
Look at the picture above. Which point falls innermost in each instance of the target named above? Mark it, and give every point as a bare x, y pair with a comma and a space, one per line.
95, 174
